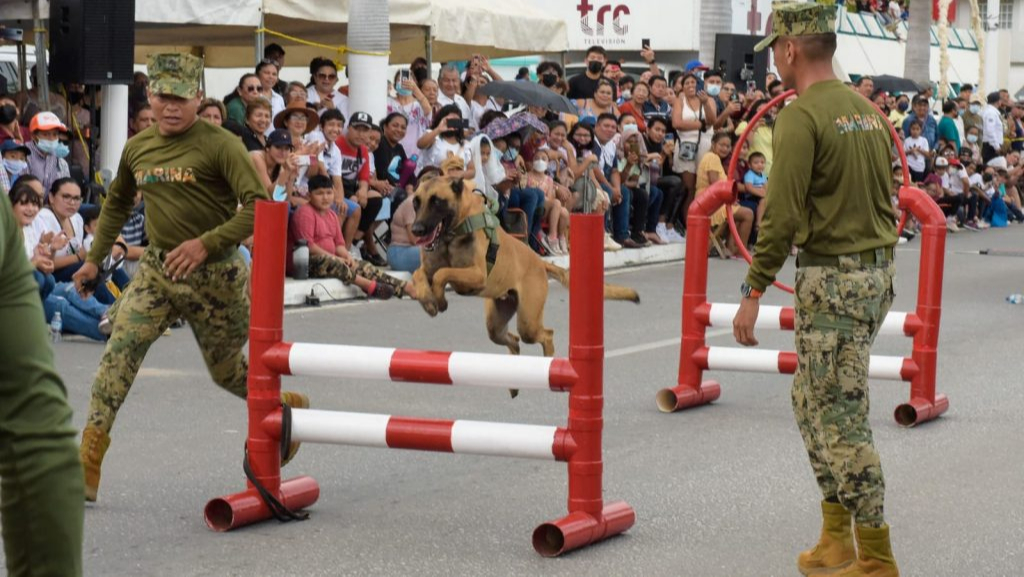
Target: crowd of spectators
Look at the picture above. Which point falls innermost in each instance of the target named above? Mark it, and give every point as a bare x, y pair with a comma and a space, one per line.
639, 150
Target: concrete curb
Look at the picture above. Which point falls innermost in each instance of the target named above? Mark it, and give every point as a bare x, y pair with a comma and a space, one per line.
332, 290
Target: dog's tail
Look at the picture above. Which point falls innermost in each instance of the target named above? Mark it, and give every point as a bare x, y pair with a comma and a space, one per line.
612, 292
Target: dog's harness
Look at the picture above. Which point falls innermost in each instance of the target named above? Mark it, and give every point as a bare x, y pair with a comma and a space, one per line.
486, 221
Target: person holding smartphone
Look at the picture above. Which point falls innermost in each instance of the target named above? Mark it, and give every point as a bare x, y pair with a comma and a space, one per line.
447, 137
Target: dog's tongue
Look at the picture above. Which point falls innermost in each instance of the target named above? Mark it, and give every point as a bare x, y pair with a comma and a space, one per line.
426, 240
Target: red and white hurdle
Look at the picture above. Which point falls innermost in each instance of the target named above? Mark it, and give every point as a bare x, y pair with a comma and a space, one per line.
271, 427
699, 314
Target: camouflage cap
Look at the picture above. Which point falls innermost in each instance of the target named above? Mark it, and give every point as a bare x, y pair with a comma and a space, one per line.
799, 19
175, 74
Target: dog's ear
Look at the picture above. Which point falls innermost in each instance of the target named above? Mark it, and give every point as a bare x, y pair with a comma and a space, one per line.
457, 186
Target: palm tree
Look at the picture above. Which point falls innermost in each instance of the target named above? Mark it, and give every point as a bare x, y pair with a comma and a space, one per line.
715, 18
368, 31
919, 42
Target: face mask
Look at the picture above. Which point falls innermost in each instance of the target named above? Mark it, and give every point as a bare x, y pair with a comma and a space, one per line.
75, 97
975, 108
549, 80
403, 92
903, 106
972, 138
627, 94
540, 165
8, 113
61, 150
959, 111
15, 167
595, 67
510, 155
713, 89
628, 129
47, 146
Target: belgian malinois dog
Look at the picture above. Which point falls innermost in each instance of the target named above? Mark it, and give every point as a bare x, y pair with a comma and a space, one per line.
517, 283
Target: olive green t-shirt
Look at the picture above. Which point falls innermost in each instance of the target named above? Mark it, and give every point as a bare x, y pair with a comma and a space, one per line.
192, 184
829, 190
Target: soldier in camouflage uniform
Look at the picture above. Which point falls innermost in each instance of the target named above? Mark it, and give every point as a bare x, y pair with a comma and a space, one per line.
193, 175
833, 203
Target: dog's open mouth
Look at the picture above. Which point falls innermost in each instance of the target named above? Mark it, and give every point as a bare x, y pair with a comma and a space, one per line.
429, 241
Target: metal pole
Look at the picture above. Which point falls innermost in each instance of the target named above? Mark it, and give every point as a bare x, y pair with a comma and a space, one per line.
428, 49
41, 69
259, 41
22, 66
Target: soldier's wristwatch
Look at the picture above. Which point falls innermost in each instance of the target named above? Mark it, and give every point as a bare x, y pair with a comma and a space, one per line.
750, 292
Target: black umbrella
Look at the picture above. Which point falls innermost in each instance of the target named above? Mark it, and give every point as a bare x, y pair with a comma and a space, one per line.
530, 94
894, 84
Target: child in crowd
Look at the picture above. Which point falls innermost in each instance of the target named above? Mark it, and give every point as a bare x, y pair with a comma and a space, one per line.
918, 152
556, 214
318, 225
711, 171
755, 185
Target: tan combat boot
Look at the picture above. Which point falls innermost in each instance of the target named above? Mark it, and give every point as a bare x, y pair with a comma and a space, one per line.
94, 446
834, 550
874, 554
295, 401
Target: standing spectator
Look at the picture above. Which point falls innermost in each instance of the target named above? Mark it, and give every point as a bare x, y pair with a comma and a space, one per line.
659, 104
731, 108
549, 74
899, 113
41, 500
141, 119
603, 102
713, 86
430, 90
1016, 127
10, 127
46, 160
918, 152
321, 92
213, 111
267, 72
584, 85
972, 145
275, 53
247, 92
449, 84
355, 177
412, 103
972, 118
693, 116
929, 128
992, 129
947, 129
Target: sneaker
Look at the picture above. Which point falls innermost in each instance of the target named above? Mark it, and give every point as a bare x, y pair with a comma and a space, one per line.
542, 242
983, 225
971, 227
376, 260
951, 224
380, 291
105, 326
610, 244
563, 245
673, 237
902, 240
629, 243
555, 249
661, 230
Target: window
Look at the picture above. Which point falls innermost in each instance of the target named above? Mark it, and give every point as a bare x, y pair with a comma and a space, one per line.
1005, 13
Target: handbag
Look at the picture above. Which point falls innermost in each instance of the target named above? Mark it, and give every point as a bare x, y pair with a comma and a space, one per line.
687, 151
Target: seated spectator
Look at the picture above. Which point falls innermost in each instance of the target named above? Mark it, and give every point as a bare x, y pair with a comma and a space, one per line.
394, 170
79, 315
754, 187
15, 163
301, 122
332, 127
938, 187
296, 91
247, 92
634, 168
447, 136
318, 225
355, 179
277, 168
133, 234
558, 162
528, 199
711, 171
603, 102
257, 125
668, 185
10, 128
403, 253
141, 119
556, 243
213, 111
591, 185
47, 153
321, 92
267, 72
412, 103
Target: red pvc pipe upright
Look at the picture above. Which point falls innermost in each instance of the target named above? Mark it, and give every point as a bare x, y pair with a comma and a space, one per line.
924, 404
589, 520
690, 391
266, 329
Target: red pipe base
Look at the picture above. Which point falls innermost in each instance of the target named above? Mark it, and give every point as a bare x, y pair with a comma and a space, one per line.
580, 529
682, 396
233, 511
919, 410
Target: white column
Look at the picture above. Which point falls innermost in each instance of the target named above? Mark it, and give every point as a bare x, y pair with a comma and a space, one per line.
368, 30
113, 127
992, 40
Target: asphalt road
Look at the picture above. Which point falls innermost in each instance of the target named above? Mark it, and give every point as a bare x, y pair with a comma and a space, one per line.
723, 490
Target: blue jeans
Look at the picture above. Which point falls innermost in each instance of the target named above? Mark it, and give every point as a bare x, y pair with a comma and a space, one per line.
529, 200
404, 258
617, 217
78, 316
654, 201
46, 283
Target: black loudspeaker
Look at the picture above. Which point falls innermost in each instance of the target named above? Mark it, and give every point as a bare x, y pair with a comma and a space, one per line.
92, 41
735, 57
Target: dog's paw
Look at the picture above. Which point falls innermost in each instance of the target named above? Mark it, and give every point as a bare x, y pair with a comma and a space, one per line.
442, 304
430, 308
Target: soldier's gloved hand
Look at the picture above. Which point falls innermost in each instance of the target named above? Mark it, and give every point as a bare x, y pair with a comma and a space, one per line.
87, 272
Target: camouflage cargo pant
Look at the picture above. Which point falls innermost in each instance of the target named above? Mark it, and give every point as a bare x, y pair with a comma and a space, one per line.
838, 312
323, 267
215, 302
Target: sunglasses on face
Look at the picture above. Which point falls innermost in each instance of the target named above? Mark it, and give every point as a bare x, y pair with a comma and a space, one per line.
323, 76
252, 88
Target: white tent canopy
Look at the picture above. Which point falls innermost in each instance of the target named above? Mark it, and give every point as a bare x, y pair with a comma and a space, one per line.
224, 31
